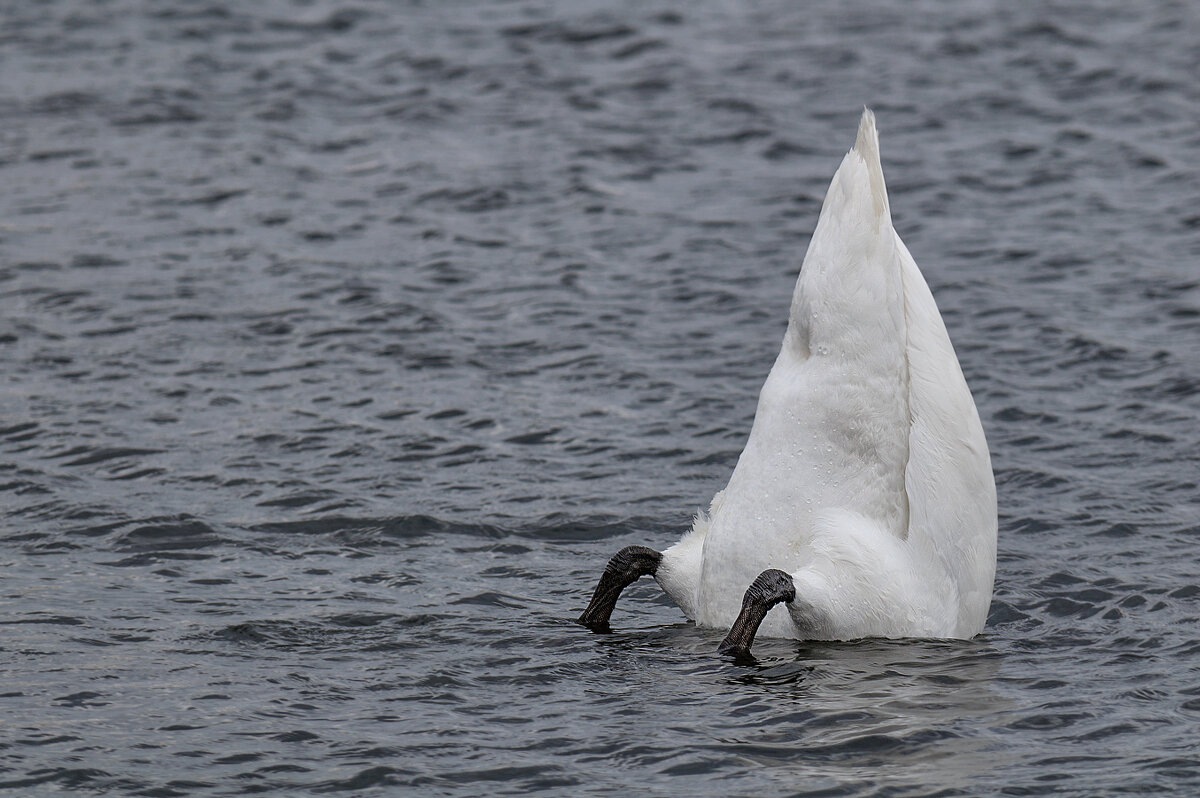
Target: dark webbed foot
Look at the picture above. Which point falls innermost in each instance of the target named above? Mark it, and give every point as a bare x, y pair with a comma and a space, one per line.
771, 587
625, 568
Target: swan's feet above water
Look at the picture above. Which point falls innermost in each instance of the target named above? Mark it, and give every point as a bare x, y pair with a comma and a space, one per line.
626, 567
771, 587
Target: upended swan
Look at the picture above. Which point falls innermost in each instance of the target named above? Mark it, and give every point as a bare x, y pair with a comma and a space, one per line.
864, 501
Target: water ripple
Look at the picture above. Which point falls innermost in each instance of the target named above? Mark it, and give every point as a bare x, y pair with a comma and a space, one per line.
344, 343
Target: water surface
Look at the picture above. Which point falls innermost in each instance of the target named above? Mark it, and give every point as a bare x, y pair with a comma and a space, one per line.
342, 343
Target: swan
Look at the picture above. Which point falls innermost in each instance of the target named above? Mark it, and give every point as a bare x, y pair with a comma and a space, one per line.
863, 504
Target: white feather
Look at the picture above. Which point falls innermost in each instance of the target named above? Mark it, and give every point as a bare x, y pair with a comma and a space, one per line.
866, 474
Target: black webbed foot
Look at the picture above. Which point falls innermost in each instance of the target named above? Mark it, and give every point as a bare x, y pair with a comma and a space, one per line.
626, 567
771, 587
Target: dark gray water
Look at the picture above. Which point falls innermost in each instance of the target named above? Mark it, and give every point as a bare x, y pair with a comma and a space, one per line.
342, 343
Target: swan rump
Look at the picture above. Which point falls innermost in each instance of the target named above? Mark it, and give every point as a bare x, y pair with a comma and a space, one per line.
866, 480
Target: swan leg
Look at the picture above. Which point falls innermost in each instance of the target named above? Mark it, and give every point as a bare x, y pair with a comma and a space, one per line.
626, 567
771, 587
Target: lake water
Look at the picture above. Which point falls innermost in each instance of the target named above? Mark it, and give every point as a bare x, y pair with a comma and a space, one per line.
341, 344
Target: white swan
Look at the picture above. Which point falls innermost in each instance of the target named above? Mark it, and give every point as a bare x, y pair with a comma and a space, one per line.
865, 489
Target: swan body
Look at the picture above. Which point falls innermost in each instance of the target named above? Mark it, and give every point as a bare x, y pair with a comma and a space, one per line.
866, 478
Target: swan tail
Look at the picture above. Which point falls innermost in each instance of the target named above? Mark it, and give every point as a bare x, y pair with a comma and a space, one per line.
845, 356
849, 300
867, 147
